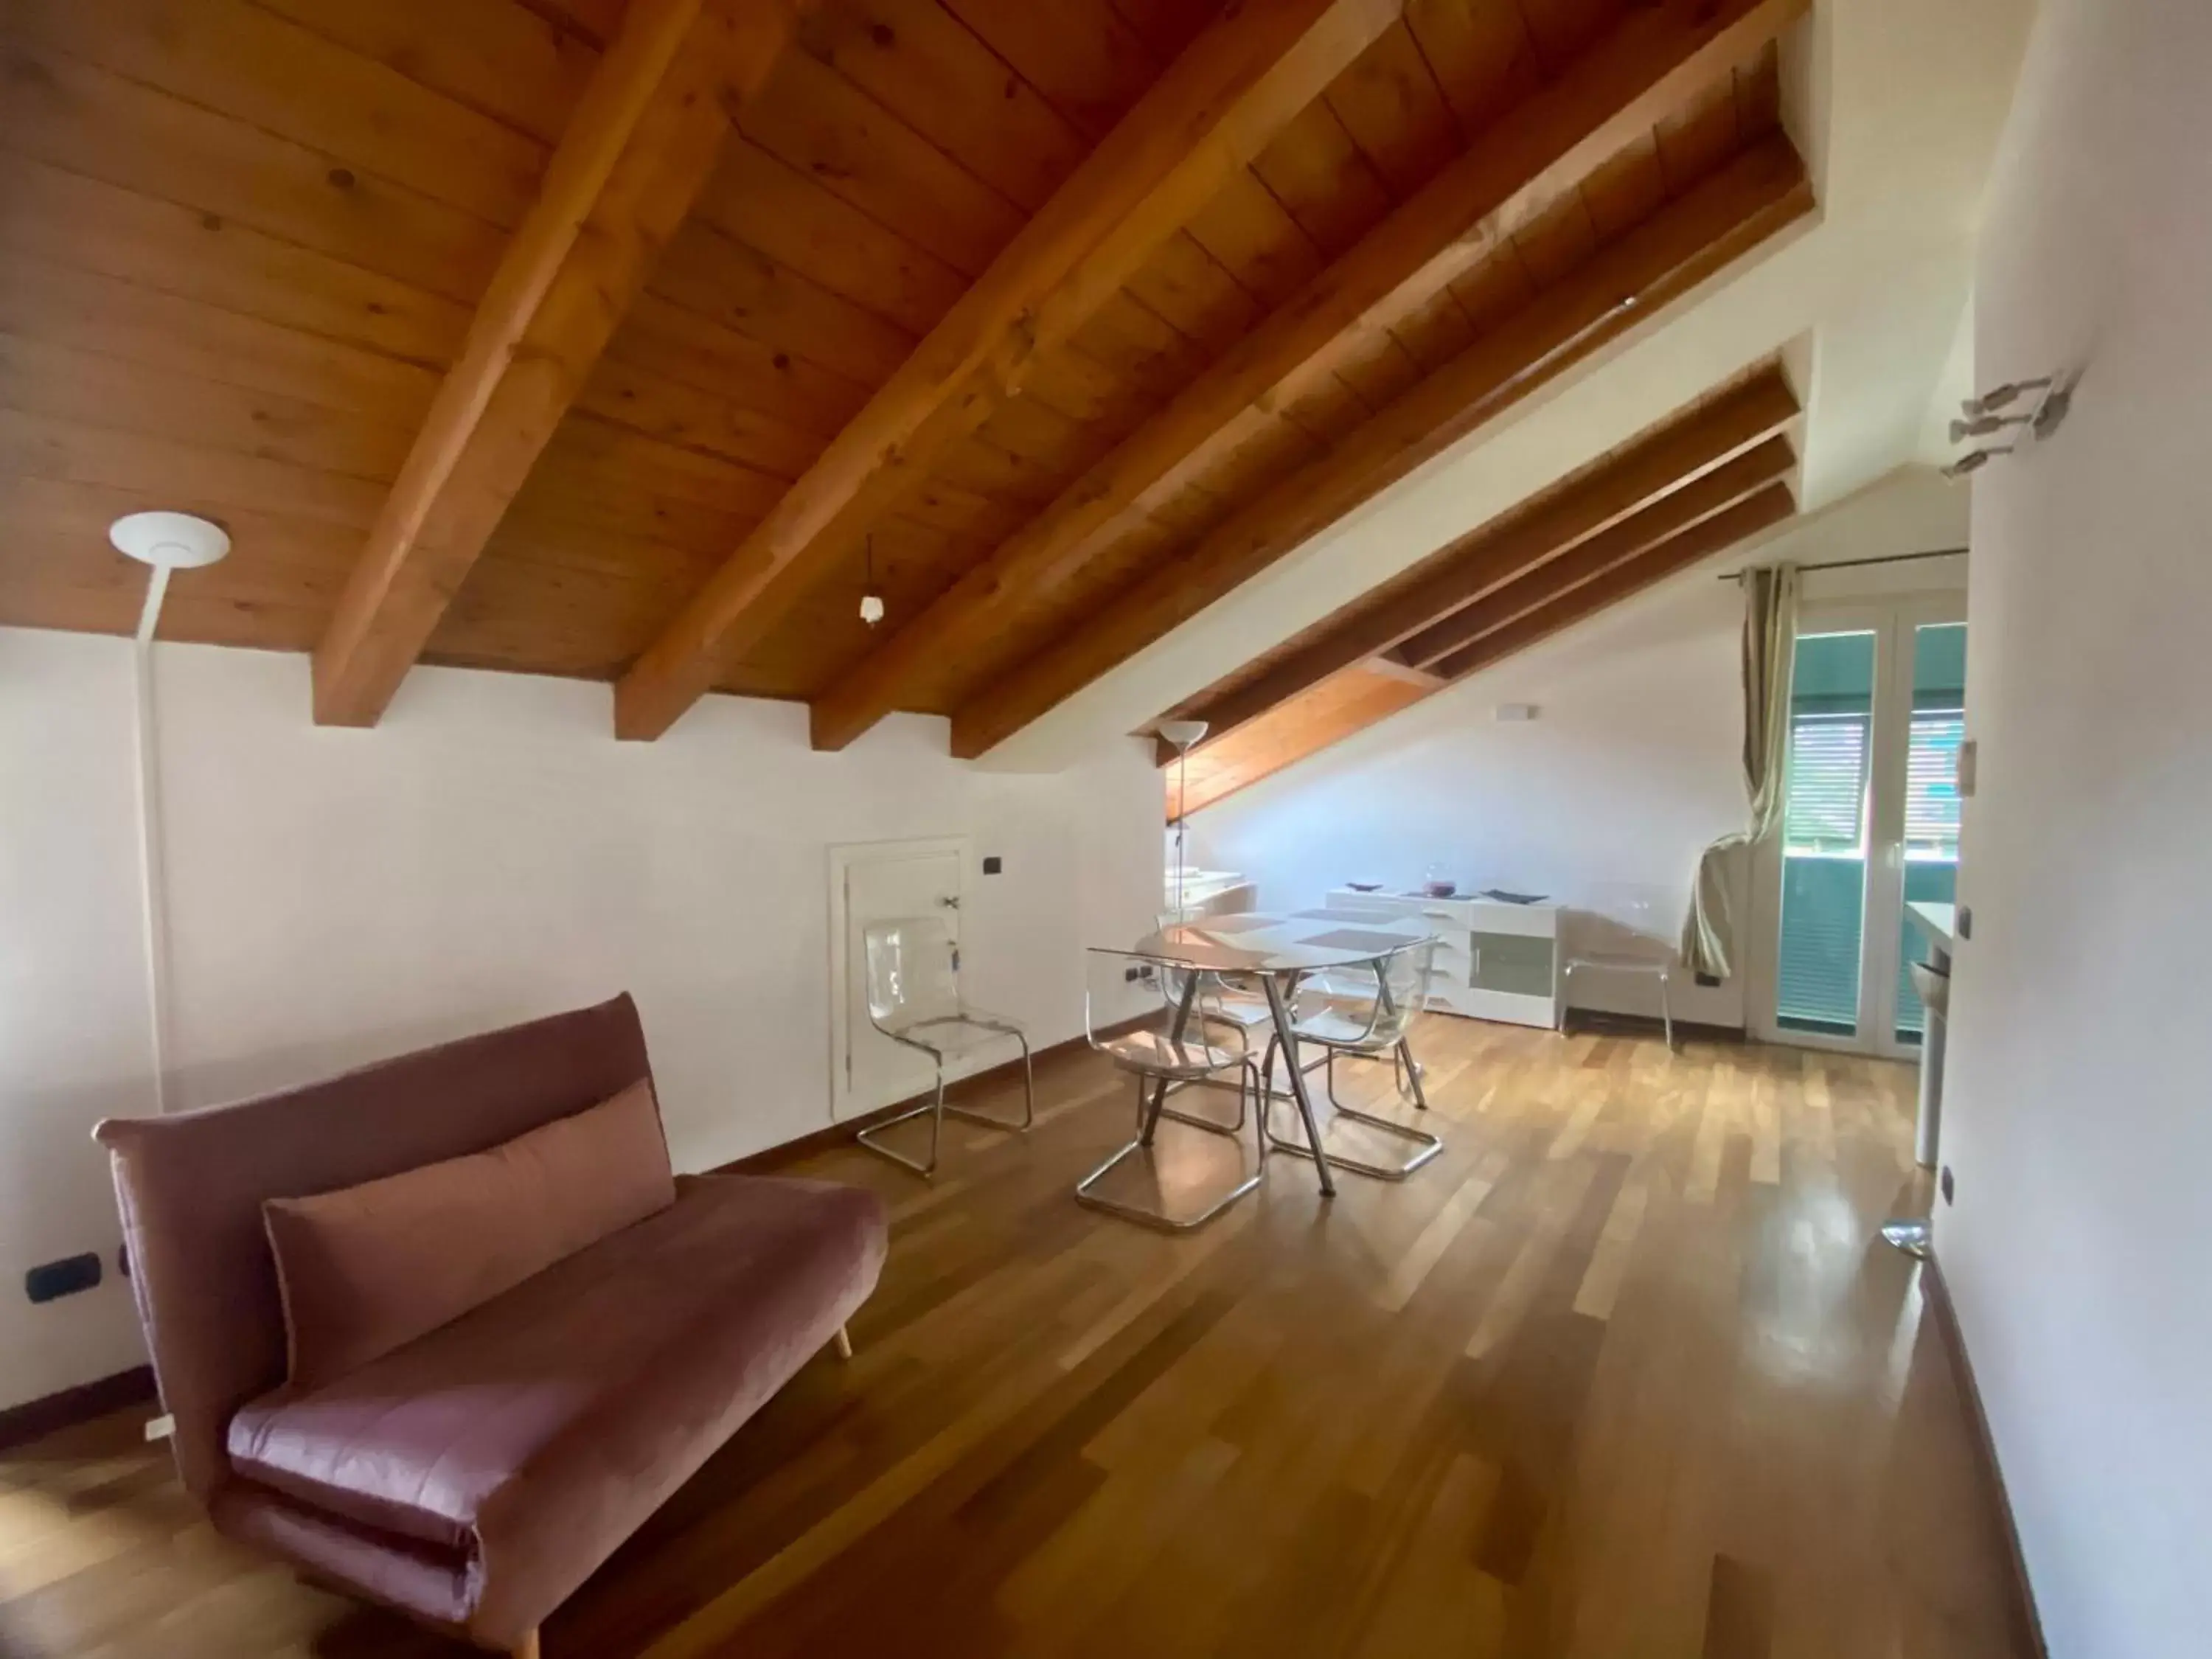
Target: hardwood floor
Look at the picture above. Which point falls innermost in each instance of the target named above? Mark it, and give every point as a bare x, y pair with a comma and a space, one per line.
1619, 1374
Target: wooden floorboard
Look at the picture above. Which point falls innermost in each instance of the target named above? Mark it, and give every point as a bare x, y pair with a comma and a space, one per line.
1619, 1374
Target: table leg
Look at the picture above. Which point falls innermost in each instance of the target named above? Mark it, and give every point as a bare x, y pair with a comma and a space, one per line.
1289, 1044
1928, 1127
1151, 1123
1913, 1234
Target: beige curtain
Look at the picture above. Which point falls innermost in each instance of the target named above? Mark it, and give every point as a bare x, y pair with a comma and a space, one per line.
1770, 637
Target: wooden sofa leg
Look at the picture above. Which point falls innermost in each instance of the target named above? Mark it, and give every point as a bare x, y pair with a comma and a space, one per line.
526, 1648
844, 1343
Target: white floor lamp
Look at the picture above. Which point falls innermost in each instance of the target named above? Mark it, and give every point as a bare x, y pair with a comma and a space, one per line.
168, 541
1183, 734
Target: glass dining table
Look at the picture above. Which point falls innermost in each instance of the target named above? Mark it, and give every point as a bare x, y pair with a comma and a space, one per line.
1276, 951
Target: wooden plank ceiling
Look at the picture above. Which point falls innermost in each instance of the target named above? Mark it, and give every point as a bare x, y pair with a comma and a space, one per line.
505, 333
1707, 478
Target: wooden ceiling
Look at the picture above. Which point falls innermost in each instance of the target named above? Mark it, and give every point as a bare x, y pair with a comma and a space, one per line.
1707, 478
636, 343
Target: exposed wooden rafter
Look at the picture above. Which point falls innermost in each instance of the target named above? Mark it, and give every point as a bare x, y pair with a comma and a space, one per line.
1345, 704
644, 138
1673, 477
1244, 78
1753, 515
1362, 695
1649, 65
1771, 462
1762, 191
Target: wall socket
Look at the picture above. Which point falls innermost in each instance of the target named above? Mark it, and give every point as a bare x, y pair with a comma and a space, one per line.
52, 1280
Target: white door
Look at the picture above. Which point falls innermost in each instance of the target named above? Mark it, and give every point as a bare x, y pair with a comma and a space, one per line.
881, 882
1877, 713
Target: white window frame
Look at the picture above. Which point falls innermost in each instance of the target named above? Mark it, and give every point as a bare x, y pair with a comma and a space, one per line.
1891, 621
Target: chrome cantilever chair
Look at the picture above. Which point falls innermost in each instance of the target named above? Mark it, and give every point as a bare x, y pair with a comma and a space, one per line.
1368, 1012
913, 999
1190, 1041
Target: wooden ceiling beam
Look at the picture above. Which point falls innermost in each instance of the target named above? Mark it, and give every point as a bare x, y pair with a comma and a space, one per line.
1244, 79
1750, 517
645, 135
1760, 193
1617, 92
1409, 673
1360, 697
1675, 475
1768, 463
1249, 706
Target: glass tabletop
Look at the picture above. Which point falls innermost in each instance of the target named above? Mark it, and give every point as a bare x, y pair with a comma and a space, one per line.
1256, 942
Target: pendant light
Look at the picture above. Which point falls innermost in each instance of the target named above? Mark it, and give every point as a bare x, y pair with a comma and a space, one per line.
871, 603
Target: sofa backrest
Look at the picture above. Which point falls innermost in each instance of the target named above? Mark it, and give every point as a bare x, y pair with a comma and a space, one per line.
191, 1187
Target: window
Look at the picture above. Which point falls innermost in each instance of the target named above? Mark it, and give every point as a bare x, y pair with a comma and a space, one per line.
1931, 787
1825, 811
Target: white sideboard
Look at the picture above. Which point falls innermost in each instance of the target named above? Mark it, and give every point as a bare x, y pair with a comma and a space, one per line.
1211, 893
1497, 961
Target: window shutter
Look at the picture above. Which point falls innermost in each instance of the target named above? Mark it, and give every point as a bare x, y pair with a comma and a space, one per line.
1826, 805
1931, 787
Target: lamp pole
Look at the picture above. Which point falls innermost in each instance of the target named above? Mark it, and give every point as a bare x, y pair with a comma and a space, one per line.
1183, 734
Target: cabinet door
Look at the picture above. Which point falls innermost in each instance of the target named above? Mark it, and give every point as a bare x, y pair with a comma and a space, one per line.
1519, 964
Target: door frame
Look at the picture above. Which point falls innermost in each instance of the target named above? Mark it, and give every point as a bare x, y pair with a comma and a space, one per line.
843, 857
1894, 621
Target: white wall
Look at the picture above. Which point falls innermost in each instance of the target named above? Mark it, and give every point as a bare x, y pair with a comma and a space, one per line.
2077, 1122
1630, 768
74, 1043
486, 853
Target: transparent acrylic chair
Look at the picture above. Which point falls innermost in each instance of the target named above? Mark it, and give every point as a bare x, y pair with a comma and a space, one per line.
1364, 1012
1227, 999
913, 999
1621, 935
1188, 1041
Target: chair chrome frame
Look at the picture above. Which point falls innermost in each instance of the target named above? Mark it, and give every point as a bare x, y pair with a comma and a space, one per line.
1153, 1083
935, 1108
1384, 1036
1210, 986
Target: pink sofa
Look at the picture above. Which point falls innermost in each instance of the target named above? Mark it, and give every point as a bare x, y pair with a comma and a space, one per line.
476, 1476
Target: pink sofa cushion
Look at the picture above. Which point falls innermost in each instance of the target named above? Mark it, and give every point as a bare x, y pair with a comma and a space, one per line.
367, 1269
535, 1433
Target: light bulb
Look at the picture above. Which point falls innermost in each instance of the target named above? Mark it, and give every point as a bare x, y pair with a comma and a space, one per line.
872, 609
